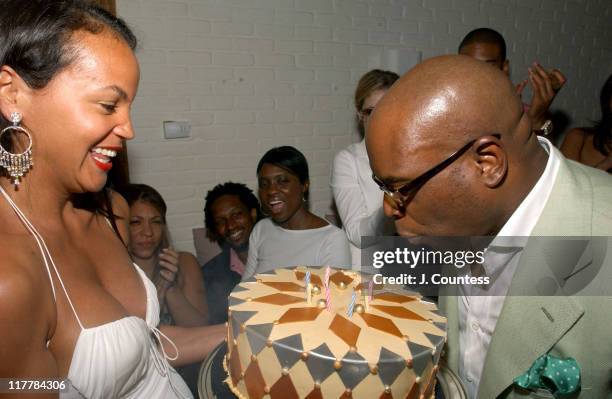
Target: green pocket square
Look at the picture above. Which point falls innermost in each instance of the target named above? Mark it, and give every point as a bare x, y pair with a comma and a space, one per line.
559, 376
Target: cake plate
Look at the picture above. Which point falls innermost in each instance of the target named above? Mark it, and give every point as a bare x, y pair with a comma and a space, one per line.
211, 383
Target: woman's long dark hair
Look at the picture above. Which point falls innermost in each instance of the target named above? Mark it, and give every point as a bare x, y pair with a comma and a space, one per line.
602, 138
36, 41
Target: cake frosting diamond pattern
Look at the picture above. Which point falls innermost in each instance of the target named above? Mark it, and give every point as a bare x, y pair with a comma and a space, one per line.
420, 358
415, 392
438, 343
284, 286
399, 311
279, 299
381, 323
295, 315
354, 369
314, 279
345, 330
232, 301
235, 367
257, 336
319, 363
393, 297
283, 389
339, 277
242, 316
315, 394
390, 365
254, 381
235, 328
288, 350
441, 326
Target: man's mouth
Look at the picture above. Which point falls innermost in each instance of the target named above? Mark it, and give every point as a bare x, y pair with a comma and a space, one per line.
235, 235
103, 156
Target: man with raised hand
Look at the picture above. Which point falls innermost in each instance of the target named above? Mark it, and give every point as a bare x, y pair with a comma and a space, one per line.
488, 45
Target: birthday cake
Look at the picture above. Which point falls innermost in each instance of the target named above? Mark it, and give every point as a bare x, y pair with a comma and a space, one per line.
291, 335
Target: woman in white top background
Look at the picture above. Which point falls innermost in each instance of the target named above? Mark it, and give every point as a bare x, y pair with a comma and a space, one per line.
292, 235
72, 303
358, 199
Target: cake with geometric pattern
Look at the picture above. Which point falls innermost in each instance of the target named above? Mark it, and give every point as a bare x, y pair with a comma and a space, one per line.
340, 337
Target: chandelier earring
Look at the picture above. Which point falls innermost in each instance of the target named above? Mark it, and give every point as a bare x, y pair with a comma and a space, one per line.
16, 164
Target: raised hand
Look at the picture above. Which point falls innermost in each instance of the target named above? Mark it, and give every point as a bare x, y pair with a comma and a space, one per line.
545, 86
168, 271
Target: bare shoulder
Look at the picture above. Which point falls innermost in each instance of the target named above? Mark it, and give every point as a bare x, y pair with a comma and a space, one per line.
27, 315
188, 262
573, 142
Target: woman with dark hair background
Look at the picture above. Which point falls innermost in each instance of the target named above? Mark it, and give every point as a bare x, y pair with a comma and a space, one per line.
358, 199
176, 275
592, 146
73, 304
292, 235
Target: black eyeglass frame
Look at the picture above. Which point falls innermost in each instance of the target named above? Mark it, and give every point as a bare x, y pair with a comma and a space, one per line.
401, 194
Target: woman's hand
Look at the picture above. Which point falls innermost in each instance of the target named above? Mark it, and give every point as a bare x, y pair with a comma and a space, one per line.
606, 164
169, 265
167, 276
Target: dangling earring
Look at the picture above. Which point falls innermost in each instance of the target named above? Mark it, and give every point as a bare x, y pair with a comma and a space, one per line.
16, 164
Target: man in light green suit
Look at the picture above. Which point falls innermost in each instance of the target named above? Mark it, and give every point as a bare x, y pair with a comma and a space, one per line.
455, 153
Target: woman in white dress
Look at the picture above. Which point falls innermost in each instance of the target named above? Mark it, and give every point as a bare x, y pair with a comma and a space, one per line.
72, 303
358, 199
292, 235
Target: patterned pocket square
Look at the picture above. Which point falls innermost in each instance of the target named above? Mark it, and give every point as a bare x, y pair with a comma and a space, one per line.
559, 376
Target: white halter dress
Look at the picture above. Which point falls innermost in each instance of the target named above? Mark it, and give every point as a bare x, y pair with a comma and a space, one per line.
120, 359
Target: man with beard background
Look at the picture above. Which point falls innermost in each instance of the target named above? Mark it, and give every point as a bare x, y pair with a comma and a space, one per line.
230, 213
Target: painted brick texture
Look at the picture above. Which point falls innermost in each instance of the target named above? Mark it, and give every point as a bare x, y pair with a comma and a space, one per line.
252, 74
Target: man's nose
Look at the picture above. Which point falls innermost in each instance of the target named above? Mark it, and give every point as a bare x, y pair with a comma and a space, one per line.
391, 208
231, 224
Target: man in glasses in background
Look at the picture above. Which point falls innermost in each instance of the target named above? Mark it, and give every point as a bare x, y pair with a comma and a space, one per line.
456, 155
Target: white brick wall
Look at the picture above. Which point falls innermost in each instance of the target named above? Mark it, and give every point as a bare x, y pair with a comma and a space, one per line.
252, 74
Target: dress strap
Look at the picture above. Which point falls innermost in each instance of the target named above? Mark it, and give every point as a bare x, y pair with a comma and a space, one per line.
44, 250
161, 359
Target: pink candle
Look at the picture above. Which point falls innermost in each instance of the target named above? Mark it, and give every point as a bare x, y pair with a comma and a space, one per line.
327, 290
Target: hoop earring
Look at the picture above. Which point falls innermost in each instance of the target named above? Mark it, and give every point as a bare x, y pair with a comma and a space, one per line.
16, 164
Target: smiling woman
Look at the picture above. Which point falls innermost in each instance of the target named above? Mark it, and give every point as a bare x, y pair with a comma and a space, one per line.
77, 307
292, 235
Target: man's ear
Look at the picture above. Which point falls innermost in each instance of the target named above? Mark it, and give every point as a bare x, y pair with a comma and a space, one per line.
492, 161
12, 91
254, 215
506, 67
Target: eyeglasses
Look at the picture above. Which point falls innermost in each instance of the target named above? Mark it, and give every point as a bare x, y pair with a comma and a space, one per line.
402, 194
366, 112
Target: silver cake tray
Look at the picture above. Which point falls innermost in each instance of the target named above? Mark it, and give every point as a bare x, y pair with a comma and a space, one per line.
211, 383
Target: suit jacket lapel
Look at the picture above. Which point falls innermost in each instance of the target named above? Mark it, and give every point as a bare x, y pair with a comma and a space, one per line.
529, 326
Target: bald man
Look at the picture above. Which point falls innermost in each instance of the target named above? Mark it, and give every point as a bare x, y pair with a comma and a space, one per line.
454, 152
